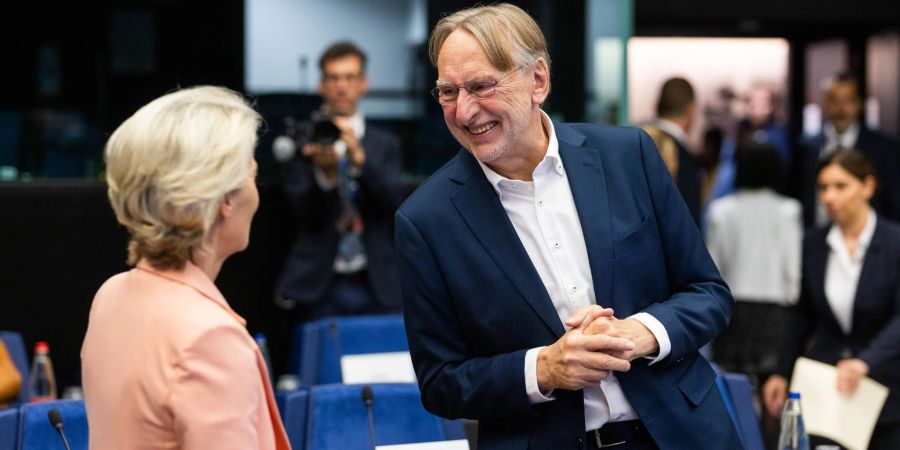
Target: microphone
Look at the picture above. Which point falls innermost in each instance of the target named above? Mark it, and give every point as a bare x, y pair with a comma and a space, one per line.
367, 398
56, 420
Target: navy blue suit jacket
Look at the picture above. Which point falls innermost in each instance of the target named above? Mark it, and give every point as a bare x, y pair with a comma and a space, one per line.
875, 331
307, 272
880, 150
474, 303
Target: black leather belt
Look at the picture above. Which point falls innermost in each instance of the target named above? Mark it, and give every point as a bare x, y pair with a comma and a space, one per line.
618, 434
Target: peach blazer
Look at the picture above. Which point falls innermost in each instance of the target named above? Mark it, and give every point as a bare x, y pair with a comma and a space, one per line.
166, 363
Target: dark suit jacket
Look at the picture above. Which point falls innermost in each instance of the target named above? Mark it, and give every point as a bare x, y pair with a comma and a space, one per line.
689, 179
307, 272
474, 303
881, 151
875, 333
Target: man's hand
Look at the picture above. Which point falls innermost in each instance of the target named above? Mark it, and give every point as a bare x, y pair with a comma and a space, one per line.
645, 342
849, 372
774, 392
324, 157
356, 154
577, 360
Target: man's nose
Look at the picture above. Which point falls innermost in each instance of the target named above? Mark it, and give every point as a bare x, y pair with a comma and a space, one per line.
466, 106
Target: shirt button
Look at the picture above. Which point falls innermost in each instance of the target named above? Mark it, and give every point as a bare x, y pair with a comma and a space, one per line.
556, 245
541, 203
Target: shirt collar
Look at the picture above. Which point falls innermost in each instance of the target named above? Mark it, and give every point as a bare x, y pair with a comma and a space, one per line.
193, 277
835, 238
672, 129
551, 157
847, 139
358, 123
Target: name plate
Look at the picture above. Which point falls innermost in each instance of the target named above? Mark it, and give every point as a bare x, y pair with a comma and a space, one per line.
392, 367
460, 444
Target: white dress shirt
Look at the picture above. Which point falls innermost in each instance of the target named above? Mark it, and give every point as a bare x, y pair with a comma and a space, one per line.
842, 271
544, 216
755, 237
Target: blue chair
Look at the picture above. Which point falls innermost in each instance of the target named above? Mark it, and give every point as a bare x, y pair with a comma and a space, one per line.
36, 433
9, 429
16, 347
740, 396
325, 341
338, 417
294, 409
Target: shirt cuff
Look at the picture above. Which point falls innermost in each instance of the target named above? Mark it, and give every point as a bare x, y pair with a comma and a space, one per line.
535, 395
659, 332
324, 183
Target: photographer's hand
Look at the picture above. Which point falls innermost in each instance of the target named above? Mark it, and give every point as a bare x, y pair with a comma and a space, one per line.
325, 158
356, 154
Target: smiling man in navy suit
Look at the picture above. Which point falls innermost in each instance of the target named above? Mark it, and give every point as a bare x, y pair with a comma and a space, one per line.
555, 287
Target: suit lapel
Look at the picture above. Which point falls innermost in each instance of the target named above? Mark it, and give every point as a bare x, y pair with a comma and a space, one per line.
872, 264
818, 265
479, 206
584, 169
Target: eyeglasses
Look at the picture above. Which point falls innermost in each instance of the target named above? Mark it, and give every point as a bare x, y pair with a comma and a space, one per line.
481, 89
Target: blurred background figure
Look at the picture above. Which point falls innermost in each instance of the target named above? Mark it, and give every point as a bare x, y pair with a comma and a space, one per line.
675, 111
166, 362
758, 126
842, 108
848, 313
343, 190
754, 235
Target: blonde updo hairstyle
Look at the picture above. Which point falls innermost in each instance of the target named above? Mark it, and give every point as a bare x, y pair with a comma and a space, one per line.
169, 166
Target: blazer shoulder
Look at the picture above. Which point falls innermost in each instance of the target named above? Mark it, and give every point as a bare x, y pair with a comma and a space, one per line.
435, 190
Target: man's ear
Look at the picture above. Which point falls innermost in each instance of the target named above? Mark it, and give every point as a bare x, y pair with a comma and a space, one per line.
541, 78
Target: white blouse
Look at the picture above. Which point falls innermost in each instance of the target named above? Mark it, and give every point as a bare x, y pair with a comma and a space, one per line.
842, 271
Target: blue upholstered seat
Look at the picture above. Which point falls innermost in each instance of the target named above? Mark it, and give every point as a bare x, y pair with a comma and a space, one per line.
338, 417
9, 428
294, 408
36, 433
323, 342
741, 394
15, 345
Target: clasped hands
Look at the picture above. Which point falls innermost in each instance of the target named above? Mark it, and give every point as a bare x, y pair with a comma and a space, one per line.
596, 344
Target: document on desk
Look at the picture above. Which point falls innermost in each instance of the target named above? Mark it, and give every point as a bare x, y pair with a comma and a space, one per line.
460, 444
391, 367
846, 420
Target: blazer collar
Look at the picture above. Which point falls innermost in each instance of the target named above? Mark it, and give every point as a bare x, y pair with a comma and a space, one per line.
478, 204
193, 277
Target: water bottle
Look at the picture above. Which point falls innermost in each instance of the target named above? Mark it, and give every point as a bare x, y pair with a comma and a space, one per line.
42, 382
793, 434
264, 349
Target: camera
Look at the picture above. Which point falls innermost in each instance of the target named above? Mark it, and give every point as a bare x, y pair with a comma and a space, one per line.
319, 129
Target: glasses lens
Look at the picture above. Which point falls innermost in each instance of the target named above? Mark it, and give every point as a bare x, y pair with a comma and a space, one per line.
482, 88
445, 94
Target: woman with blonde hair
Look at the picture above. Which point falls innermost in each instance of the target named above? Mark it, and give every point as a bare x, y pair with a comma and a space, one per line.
166, 362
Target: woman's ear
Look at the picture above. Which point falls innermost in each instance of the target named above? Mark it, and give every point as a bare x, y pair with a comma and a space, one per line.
869, 186
226, 206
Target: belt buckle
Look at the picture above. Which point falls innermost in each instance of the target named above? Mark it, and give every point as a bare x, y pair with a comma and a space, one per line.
600, 443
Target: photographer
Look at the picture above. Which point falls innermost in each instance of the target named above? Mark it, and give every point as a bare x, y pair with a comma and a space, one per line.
343, 187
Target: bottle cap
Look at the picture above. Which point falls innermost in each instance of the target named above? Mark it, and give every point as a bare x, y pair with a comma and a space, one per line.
41, 347
794, 396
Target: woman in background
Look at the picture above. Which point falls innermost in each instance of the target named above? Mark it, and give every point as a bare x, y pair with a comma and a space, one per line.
848, 314
166, 362
755, 237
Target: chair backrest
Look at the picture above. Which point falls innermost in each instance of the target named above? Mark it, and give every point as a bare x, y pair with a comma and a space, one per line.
325, 341
338, 417
15, 345
294, 409
36, 433
741, 395
9, 428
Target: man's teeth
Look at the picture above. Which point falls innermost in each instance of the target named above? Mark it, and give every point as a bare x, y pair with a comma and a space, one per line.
483, 129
